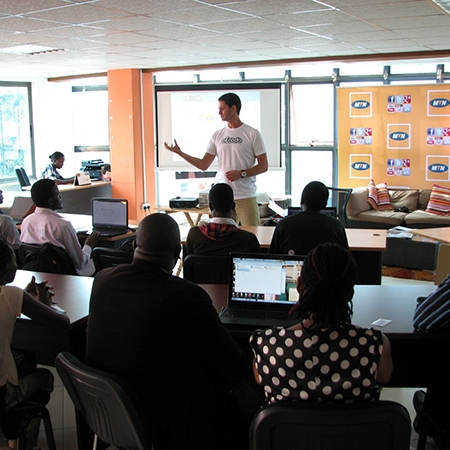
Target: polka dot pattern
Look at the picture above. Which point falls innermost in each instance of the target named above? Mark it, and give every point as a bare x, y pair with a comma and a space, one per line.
330, 365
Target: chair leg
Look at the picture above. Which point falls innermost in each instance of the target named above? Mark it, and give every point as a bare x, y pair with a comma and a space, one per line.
40, 413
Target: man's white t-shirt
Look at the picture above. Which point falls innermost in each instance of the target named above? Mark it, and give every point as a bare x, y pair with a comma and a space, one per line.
237, 149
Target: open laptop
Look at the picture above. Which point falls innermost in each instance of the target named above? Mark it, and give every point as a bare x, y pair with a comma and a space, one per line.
21, 208
262, 289
328, 210
109, 216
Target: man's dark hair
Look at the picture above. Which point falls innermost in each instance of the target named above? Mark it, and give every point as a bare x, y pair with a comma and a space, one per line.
315, 196
231, 99
221, 197
42, 191
328, 276
56, 155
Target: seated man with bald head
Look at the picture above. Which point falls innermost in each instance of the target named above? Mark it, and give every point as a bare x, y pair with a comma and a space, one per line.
162, 334
300, 233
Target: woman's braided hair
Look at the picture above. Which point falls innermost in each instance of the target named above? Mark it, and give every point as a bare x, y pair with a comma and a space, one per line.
328, 276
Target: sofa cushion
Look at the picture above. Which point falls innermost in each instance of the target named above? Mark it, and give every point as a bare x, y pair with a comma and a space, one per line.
408, 198
388, 217
378, 197
424, 198
419, 217
358, 201
439, 201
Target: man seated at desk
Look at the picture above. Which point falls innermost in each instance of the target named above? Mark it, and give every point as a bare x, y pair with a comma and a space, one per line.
47, 226
222, 235
51, 171
162, 334
8, 229
300, 233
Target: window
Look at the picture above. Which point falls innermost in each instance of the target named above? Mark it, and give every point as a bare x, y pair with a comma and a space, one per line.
312, 111
16, 145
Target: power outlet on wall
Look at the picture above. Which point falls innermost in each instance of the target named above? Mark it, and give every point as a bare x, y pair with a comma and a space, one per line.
145, 206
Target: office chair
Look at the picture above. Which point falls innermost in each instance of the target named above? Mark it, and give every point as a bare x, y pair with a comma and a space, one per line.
45, 258
110, 407
22, 176
204, 269
340, 198
303, 426
104, 257
14, 422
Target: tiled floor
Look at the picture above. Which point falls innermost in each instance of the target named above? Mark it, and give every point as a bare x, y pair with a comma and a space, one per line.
63, 418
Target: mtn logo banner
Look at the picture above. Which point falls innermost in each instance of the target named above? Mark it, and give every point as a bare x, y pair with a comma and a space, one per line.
398, 136
360, 166
360, 104
438, 168
438, 103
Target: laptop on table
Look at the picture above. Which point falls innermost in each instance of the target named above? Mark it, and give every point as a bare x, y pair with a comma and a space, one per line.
262, 289
21, 208
328, 211
109, 216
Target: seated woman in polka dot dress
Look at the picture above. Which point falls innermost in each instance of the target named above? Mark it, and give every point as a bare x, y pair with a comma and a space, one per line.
324, 357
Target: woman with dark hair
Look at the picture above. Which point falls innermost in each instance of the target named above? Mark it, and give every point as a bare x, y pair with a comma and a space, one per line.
51, 171
35, 303
324, 357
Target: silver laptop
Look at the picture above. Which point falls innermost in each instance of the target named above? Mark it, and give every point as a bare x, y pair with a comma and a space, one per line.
262, 289
21, 208
109, 216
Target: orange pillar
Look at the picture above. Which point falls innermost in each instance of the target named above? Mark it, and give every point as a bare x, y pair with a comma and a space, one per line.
132, 138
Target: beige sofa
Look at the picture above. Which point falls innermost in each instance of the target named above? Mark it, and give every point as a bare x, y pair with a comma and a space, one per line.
360, 214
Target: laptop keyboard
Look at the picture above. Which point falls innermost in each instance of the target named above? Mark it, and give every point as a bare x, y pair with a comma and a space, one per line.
252, 313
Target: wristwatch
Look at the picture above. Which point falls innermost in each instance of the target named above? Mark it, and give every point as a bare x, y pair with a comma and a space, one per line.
243, 173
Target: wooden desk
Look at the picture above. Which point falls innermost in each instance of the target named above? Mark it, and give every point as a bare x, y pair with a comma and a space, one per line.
416, 355
77, 199
72, 293
193, 222
438, 234
365, 245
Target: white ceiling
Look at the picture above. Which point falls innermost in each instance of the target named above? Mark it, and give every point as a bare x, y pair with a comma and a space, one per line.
98, 35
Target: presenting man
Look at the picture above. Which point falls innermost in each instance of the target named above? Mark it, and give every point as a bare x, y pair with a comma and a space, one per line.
241, 156
300, 233
47, 226
162, 334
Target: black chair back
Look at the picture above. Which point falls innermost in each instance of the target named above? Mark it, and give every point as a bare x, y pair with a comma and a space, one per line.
111, 412
303, 426
209, 269
45, 258
22, 176
340, 198
104, 257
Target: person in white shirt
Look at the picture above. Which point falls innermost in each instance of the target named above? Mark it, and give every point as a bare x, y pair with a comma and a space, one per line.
8, 229
241, 156
47, 226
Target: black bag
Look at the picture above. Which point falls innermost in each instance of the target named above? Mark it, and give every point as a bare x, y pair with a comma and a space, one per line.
25, 361
433, 312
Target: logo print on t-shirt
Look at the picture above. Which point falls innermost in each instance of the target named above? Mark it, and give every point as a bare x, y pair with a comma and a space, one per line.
232, 140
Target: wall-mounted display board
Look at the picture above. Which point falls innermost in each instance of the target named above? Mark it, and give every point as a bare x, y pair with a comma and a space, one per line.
394, 134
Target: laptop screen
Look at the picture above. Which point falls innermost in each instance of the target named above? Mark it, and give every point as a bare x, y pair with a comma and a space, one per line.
263, 278
328, 210
109, 213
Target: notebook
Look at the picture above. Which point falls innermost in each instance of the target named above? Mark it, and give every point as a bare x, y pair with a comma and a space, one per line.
109, 216
262, 289
328, 210
21, 208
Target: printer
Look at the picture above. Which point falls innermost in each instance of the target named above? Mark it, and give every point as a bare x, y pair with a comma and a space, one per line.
94, 167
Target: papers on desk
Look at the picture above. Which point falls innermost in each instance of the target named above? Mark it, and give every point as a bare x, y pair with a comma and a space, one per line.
399, 232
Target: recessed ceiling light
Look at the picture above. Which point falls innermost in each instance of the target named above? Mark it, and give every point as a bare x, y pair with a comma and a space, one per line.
29, 49
443, 4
